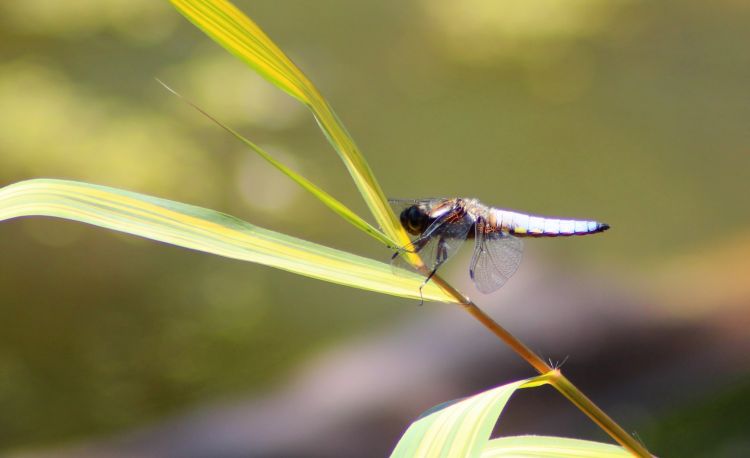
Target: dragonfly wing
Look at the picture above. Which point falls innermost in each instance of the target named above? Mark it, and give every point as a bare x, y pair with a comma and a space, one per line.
397, 202
439, 241
497, 256
400, 204
428, 249
428, 204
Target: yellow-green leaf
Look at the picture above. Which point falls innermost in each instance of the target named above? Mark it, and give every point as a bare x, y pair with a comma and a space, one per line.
461, 429
327, 199
239, 35
205, 230
550, 447
229, 27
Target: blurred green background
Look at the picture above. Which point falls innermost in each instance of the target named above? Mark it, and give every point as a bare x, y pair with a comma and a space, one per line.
631, 112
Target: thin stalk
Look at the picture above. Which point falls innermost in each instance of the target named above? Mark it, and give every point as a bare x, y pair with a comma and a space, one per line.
558, 380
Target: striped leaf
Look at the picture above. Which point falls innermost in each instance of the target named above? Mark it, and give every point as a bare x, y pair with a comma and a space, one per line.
205, 230
463, 429
239, 35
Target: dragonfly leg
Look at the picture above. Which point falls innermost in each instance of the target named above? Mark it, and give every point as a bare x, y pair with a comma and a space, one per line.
426, 280
442, 256
416, 247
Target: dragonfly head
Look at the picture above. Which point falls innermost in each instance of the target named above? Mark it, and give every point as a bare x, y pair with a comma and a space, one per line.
415, 219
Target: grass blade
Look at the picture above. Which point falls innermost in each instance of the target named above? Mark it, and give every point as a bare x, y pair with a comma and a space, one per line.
228, 26
327, 199
239, 35
550, 447
461, 429
205, 230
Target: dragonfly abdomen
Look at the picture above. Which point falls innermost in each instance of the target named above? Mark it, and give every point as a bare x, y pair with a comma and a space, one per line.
522, 225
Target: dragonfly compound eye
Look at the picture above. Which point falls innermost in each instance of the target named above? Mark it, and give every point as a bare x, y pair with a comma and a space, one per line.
413, 220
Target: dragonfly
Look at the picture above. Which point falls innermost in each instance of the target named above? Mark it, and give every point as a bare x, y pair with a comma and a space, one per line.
441, 225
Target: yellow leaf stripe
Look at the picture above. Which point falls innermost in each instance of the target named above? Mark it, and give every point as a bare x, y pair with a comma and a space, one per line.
205, 230
230, 28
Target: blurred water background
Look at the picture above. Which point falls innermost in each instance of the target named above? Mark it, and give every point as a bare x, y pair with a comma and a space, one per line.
631, 112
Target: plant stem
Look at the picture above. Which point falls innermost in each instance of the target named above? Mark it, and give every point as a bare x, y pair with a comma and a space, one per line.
558, 380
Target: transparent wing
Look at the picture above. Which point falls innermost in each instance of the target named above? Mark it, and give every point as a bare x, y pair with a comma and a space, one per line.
439, 241
433, 251
401, 204
397, 202
497, 256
